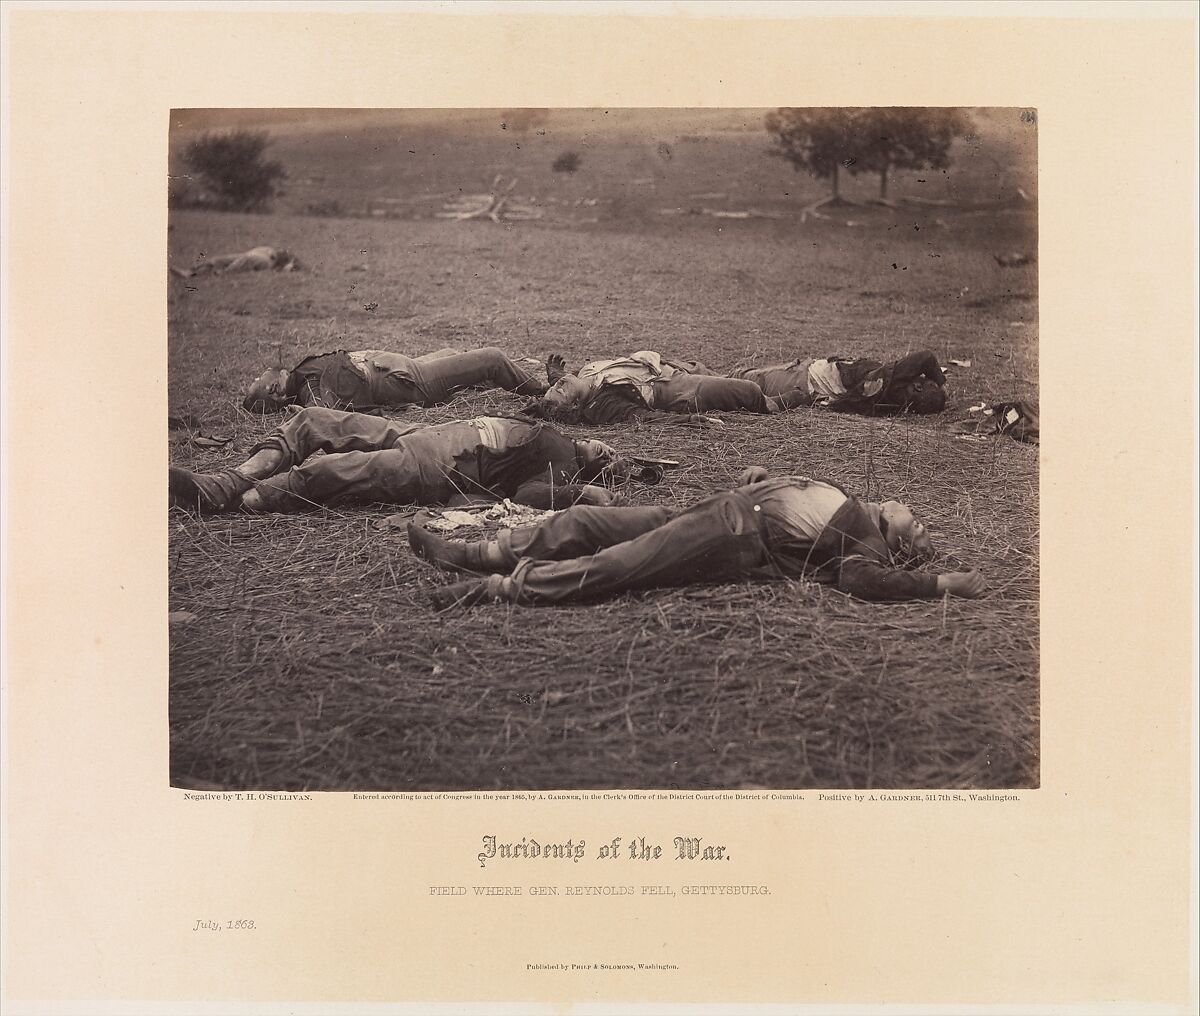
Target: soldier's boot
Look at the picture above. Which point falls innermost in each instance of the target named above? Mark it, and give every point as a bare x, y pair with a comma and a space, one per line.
483, 557
206, 492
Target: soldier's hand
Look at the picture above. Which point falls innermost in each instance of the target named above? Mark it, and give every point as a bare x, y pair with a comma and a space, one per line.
594, 495
556, 367
964, 583
752, 474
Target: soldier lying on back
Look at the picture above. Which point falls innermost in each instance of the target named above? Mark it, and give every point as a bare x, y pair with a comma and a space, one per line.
915, 383
788, 526
646, 385
376, 379
371, 459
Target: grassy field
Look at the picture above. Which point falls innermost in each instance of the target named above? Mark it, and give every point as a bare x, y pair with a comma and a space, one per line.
314, 660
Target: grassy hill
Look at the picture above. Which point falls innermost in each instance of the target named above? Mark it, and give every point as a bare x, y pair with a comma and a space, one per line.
634, 163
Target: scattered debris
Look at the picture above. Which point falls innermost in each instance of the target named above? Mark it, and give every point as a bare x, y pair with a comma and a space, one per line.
502, 515
181, 617
399, 520
721, 213
195, 432
961, 363
1019, 419
453, 519
505, 514
934, 202
808, 210
496, 205
1014, 260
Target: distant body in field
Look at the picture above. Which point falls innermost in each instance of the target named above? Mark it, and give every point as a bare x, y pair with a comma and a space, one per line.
257, 259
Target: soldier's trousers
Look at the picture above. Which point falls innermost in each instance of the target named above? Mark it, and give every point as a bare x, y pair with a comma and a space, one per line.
488, 367
703, 393
367, 458
587, 553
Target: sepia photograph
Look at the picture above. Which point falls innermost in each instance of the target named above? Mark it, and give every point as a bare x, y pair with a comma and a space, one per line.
557, 448
608, 558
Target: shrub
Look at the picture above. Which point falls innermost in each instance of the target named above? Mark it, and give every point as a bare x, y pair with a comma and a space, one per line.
568, 162
232, 172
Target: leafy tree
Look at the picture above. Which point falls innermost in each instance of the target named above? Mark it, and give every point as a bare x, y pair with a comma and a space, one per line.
231, 167
865, 139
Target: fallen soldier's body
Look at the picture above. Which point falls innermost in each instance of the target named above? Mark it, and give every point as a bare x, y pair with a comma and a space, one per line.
915, 383
645, 385
374, 460
257, 259
787, 526
375, 379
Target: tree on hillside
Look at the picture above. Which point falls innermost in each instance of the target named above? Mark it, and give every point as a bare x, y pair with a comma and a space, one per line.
865, 139
232, 170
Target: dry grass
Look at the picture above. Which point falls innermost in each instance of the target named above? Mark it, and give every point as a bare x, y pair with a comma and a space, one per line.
315, 661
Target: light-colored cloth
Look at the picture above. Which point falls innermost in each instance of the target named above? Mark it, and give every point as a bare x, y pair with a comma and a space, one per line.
495, 432
795, 508
825, 380
640, 370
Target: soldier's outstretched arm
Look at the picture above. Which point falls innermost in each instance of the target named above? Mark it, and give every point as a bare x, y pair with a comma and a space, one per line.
872, 580
539, 494
922, 362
